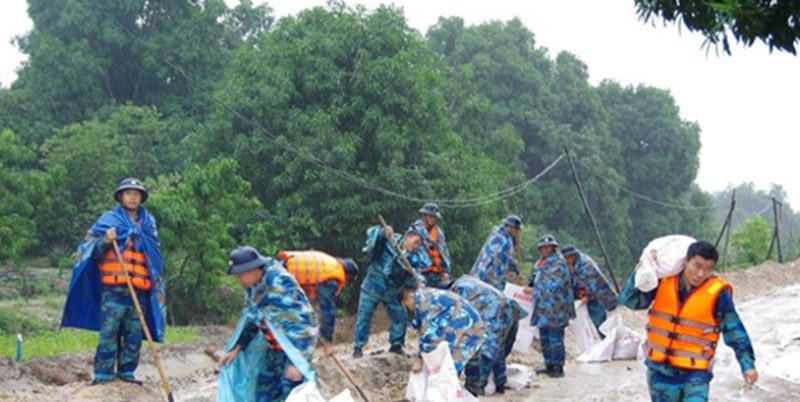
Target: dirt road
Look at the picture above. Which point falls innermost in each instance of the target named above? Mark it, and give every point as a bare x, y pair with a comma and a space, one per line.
766, 298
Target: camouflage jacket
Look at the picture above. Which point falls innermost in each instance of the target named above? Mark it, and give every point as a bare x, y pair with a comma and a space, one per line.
385, 272
440, 243
440, 315
278, 302
586, 275
496, 261
553, 295
493, 307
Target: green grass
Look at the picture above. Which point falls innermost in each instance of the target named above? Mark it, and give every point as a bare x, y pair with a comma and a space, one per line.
67, 341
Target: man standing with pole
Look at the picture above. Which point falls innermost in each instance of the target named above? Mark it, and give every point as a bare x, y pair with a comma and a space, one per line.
116, 292
434, 243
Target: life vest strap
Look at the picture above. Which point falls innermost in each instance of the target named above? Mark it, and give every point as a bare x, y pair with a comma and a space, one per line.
679, 353
681, 337
707, 328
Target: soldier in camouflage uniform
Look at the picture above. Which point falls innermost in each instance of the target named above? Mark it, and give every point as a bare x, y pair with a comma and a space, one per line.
590, 285
496, 310
443, 316
385, 278
283, 314
434, 243
693, 289
322, 278
496, 262
507, 339
551, 286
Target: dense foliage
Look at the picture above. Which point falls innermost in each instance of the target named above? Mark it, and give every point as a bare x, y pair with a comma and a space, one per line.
774, 22
297, 133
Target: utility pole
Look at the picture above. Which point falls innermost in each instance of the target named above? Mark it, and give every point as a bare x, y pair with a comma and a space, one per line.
591, 218
776, 234
726, 228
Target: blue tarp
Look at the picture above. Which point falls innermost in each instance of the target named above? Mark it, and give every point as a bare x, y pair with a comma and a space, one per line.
82, 308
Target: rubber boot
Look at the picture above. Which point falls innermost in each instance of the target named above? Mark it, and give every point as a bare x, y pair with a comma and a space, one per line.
557, 371
544, 370
397, 349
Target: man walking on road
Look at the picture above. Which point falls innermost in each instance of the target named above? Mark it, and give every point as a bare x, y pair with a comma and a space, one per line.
687, 313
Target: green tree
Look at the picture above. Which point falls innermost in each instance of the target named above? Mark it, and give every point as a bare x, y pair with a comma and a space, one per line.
751, 242
773, 22
202, 214
658, 158
355, 91
23, 189
524, 97
83, 55
87, 160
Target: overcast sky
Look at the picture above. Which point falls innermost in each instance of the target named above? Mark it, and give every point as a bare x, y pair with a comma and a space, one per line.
746, 104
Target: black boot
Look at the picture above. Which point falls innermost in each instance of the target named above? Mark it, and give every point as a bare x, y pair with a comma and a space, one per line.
500, 389
544, 370
357, 352
130, 380
557, 371
98, 382
397, 349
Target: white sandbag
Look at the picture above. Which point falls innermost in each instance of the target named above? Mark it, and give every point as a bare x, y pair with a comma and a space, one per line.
417, 383
602, 351
626, 346
517, 376
583, 328
490, 387
526, 333
345, 396
621, 343
309, 392
661, 257
439, 379
306, 392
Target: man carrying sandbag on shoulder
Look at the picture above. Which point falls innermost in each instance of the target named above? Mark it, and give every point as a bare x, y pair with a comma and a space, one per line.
688, 311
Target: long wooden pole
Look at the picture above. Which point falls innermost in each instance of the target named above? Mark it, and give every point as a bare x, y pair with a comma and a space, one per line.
150, 343
349, 378
403, 259
588, 210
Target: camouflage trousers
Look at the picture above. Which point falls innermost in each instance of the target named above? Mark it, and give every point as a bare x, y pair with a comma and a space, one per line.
326, 292
664, 388
499, 366
477, 373
271, 385
467, 345
598, 314
552, 341
120, 338
367, 304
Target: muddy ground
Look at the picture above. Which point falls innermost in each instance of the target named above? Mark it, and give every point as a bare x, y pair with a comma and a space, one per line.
766, 297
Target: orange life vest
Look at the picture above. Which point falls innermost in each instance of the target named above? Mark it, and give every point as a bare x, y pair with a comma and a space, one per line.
135, 262
684, 335
434, 253
311, 268
272, 342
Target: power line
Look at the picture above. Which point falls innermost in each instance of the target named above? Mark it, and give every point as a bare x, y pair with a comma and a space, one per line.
642, 196
289, 146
